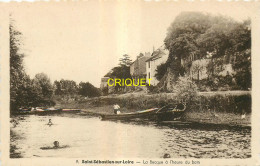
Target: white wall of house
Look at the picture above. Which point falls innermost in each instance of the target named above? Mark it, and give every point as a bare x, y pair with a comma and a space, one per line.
103, 83
151, 68
199, 67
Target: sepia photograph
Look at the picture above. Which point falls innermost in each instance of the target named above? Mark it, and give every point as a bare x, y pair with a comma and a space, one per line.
136, 83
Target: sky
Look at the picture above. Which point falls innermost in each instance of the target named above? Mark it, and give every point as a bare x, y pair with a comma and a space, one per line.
82, 41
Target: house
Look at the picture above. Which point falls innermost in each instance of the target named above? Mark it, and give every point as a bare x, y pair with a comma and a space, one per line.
198, 67
138, 68
158, 57
104, 86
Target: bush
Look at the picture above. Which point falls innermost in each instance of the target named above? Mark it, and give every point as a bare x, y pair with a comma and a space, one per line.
223, 103
185, 89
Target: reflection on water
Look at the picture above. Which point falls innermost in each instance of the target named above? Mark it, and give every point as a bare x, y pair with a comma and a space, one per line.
90, 137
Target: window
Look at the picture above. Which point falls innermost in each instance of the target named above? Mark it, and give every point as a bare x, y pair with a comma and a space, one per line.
149, 64
149, 75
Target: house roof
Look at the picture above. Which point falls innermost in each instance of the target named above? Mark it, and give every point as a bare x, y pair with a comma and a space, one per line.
157, 54
144, 57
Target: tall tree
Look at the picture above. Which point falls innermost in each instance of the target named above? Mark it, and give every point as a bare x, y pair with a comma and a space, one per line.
181, 38
242, 49
125, 61
122, 71
19, 80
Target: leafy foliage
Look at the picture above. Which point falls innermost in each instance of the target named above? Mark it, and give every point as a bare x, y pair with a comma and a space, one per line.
242, 67
196, 35
125, 61
44, 85
65, 87
185, 89
88, 90
122, 71
160, 71
18, 77
25, 92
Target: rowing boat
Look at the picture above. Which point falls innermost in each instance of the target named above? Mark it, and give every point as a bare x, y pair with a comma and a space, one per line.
168, 112
71, 110
132, 115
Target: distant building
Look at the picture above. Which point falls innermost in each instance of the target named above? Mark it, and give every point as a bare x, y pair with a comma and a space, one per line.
104, 86
137, 68
158, 57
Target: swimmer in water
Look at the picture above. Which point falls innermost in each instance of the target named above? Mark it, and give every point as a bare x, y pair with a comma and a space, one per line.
56, 144
50, 123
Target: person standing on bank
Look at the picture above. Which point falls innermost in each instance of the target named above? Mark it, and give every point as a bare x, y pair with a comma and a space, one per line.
116, 109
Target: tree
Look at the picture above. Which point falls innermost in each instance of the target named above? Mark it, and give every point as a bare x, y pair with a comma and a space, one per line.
242, 49
125, 61
122, 71
185, 89
160, 71
182, 35
242, 67
65, 87
194, 34
25, 92
214, 67
197, 69
88, 90
19, 80
44, 86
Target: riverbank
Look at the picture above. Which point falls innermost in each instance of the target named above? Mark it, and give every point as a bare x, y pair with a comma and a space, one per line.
207, 107
191, 116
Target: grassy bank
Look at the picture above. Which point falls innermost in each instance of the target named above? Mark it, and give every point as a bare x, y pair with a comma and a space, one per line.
215, 107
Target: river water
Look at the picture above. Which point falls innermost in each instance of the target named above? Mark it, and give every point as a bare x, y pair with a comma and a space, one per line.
90, 137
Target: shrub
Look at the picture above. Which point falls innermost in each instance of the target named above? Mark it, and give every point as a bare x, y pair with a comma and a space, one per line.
185, 89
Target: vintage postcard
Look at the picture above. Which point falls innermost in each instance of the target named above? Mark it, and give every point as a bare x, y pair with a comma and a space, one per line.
136, 83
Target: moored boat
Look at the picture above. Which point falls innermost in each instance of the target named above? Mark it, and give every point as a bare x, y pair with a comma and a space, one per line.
132, 115
45, 111
168, 112
71, 110
171, 112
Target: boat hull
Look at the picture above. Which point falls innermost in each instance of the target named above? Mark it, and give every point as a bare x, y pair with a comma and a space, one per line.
166, 113
139, 114
71, 110
47, 111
